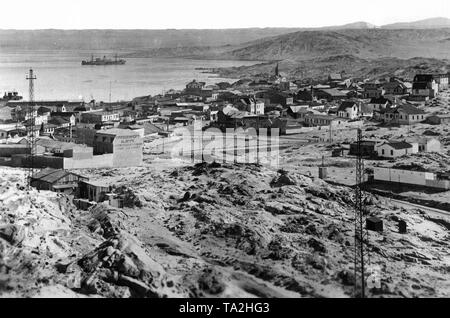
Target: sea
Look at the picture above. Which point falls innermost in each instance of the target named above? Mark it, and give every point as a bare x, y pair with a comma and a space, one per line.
60, 75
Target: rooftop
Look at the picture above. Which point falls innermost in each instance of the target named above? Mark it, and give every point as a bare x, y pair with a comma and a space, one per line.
346, 104
398, 144
380, 100
333, 92
118, 132
410, 109
51, 175
55, 144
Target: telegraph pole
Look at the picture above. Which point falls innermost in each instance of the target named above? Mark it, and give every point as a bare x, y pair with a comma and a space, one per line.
31, 132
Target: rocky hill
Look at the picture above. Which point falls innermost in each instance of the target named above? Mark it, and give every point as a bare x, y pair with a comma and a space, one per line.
210, 230
363, 43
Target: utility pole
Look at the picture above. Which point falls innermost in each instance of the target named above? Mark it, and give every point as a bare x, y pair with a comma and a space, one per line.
31, 132
361, 235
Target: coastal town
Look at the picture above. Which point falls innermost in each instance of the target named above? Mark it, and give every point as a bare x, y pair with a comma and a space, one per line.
114, 162
400, 118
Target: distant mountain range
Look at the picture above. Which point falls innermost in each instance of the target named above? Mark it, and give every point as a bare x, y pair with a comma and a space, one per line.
432, 23
359, 48
131, 40
363, 43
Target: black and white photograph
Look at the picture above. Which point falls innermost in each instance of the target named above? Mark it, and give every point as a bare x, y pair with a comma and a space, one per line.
224, 150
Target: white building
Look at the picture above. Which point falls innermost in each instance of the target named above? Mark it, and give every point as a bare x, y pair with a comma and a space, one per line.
425, 85
394, 149
377, 104
428, 144
348, 110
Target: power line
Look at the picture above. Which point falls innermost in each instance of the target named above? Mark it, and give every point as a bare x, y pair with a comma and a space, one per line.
361, 236
30, 126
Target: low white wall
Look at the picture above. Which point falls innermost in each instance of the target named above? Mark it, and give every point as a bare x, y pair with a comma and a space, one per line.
101, 161
427, 179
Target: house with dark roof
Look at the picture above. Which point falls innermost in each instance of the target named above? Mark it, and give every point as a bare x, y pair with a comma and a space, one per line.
298, 111
194, 88
395, 149
405, 114
377, 104
60, 122
232, 118
314, 120
251, 105
274, 97
373, 90
99, 117
44, 111
395, 88
366, 148
56, 180
408, 114
348, 109
145, 129
425, 86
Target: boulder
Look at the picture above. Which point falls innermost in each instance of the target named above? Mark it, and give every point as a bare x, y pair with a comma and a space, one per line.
274, 207
347, 277
317, 245
282, 180
211, 281
13, 234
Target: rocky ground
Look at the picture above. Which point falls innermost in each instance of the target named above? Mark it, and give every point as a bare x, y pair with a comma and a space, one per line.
211, 230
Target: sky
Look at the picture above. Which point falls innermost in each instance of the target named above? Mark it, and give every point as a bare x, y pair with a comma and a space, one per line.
211, 14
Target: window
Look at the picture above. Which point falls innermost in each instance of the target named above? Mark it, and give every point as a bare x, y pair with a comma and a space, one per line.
382, 151
392, 152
